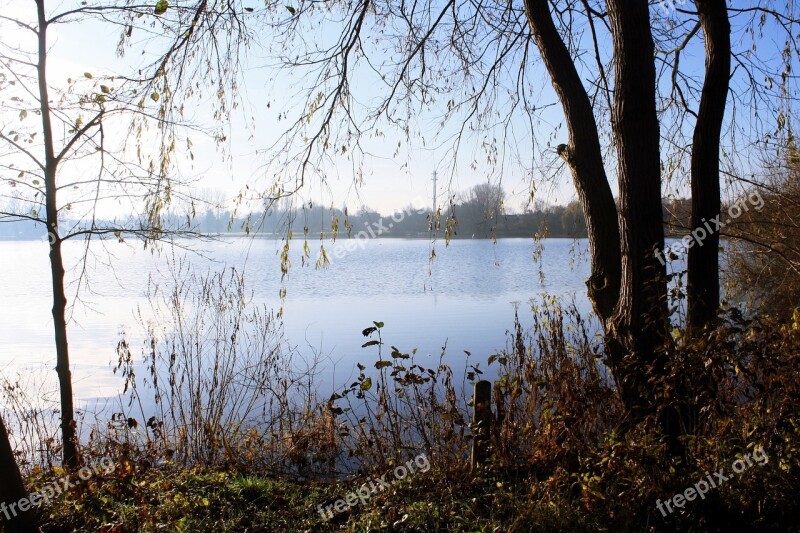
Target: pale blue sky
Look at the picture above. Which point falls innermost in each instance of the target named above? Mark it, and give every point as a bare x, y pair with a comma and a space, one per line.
390, 181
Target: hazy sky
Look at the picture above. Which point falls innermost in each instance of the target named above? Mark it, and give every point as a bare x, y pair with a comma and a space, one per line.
391, 180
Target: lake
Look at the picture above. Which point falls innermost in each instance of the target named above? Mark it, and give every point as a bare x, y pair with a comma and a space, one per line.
465, 297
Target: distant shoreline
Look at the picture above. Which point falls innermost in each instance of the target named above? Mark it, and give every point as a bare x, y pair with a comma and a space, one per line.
271, 236
276, 237
6, 238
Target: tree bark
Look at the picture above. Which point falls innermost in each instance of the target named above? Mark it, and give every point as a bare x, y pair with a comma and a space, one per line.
69, 444
702, 287
628, 283
12, 490
639, 326
584, 157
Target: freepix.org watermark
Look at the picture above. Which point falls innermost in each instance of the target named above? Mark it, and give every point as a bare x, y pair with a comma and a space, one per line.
669, 6
372, 230
709, 227
54, 489
418, 464
757, 457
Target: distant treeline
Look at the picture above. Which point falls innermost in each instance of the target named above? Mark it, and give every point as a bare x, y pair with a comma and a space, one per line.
478, 214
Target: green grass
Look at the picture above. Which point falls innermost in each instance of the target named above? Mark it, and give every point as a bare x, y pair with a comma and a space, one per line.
172, 499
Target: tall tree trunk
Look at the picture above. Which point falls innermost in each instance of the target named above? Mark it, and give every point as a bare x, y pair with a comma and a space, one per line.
12, 490
702, 287
69, 444
628, 286
584, 157
639, 327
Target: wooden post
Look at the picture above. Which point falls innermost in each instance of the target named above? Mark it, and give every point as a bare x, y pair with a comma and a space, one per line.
481, 421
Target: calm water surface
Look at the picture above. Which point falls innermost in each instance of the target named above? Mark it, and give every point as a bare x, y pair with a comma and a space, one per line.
465, 297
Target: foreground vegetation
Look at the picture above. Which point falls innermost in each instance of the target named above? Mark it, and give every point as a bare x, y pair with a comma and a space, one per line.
159, 499
563, 457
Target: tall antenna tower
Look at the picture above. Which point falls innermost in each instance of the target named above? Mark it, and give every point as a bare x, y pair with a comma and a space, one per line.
434, 193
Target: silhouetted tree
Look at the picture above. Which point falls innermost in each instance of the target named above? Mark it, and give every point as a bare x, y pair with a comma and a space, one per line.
12, 490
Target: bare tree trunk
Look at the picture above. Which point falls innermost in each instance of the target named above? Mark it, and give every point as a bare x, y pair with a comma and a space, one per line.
639, 327
584, 157
70, 452
69, 444
628, 286
12, 491
703, 263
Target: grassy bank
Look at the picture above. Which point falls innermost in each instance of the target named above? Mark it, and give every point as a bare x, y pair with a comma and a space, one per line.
141, 498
